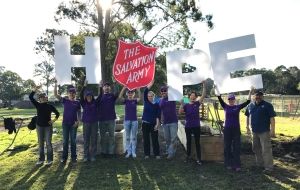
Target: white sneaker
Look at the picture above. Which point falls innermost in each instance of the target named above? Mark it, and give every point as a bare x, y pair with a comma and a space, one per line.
146, 157
48, 163
38, 163
157, 157
127, 155
133, 155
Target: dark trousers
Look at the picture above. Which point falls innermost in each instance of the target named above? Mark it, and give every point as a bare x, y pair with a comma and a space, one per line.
69, 131
232, 146
148, 129
196, 132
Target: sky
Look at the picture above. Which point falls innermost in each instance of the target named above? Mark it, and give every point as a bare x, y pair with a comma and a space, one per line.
273, 22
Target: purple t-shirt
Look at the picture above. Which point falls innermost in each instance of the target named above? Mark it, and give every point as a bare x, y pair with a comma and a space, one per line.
168, 109
192, 117
71, 108
232, 113
89, 114
107, 107
130, 109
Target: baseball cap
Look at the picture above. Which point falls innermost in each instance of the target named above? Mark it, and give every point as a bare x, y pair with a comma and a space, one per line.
231, 96
42, 95
258, 93
88, 93
72, 90
163, 88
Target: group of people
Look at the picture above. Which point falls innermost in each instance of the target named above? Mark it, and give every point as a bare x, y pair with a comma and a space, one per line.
98, 116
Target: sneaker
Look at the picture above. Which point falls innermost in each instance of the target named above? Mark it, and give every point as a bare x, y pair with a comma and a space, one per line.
85, 159
228, 167
157, 157
267, 170
38, 163
170, 157
127, 155
199, 162
49, 163
187, 159
63, 160
237, 169
93, 159
133, 155
146, 157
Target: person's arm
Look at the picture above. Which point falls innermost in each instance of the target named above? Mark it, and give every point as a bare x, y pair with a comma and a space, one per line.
150, 84
138, 95
55, 90
181, 110
76, 124
82, 94
121, 98
157, 124
272, 132
100, 92
247, 122
223, 104
54, 110
31, 96
203, 92
146, 94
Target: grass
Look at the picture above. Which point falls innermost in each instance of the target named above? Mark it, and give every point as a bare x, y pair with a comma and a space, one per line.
18, 170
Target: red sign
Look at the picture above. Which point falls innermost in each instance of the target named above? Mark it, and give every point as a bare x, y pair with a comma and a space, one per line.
134, 66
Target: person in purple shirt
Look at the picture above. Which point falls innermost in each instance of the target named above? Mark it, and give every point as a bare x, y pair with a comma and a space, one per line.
130, 121
90, 123
192, 122
170, 122
150, 122
232, 132
107, 117
71, 118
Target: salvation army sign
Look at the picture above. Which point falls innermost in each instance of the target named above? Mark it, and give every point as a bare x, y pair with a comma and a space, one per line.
134, 65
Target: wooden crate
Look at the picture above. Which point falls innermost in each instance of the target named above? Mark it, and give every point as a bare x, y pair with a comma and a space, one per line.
212, 147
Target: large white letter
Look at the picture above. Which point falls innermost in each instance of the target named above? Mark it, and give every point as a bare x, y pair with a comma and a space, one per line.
176, 79
64, 61
222, 66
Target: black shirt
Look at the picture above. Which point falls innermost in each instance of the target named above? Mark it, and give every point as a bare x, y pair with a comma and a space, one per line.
44, 111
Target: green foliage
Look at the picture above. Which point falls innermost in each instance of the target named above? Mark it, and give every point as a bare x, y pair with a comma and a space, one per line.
10, 86
280, 81
45, 70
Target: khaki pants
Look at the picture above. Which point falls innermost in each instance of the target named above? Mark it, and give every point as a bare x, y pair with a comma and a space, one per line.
262, 147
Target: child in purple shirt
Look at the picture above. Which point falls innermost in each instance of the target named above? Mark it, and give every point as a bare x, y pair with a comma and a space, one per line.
232, 132
71, 118
192, 122
130, 121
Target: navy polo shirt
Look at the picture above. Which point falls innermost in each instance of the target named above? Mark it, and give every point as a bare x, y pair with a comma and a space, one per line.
260, 115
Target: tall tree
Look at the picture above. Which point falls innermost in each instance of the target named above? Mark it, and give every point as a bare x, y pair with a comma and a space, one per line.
154, 22
45, 71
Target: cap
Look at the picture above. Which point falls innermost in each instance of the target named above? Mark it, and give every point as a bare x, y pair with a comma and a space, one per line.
106, 84
42, 95
231, 96
258, 93
88, 93
72, 90
164, 88
130, 91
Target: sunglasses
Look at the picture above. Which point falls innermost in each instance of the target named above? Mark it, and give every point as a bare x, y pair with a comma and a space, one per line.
130, 92
163, 91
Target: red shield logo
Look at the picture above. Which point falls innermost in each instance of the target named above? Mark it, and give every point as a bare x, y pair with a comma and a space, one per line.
134, 66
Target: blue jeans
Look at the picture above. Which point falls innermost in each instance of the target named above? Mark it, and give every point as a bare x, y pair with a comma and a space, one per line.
170, 134
107, 143
69, 131
45, 135
90, 133
131, 128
